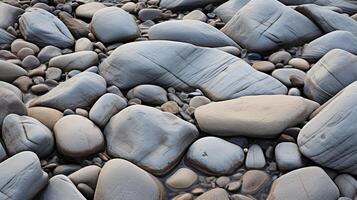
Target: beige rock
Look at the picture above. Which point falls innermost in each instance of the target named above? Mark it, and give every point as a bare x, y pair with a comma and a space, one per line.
182, 178
47, 116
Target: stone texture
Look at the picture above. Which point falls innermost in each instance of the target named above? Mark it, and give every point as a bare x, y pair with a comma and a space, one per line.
346, 6
254, 181
288, 156
87, 10
183, 178
47, 53
10, 103
8, 14
5, 38
78, 60
149, 94
87, 175
214, 194
255, 157
227, 10
284, 75
186, 4
47, 116
12, 88
77, 27
9, 71
347, 185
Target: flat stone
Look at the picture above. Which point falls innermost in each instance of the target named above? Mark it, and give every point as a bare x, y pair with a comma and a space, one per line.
254, 181
186, 4
183, 178
10, 103
87, 175
8, 14
47, 116
47, 53
78, 60
255, 157
227, 10
9, 72
284, 75
53, 73
254, 116
198, 101
149, 94
214, 194
288, 156
87, 10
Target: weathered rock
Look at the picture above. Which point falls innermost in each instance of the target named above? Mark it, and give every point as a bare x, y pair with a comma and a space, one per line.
254, 116
149, 94
284, 75
347, 6
87, 10
288, 156
8, 14
263, 66
19, 44
269, 25
198, 101
299, 63
227, 10
149, 14
5, 38
43, 28
214, 194
78, 60
77, 27
78, 92
9, 72
137, 130
186, 4
255, 157
10, 103
186, 67
347, 185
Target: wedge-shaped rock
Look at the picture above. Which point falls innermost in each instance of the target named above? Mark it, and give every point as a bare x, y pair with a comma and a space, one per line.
148, 137
309, 183
78, 60
81, 91
347, 6
190, 31
21, 177
265, 25
10, 103
333, 72
5, 38
43, 28
186, 4
9, 71
186, 67
8, 14
330, 137
133, 182
227, 10
254, 116
334, 40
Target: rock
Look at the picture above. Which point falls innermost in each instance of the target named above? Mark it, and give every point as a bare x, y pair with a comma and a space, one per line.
149, 14
190, 31
186, 4
60, 187
77, 27
24, 83
47, 116
171, 107
129, 7
214, 194
329, 75
198, 101
258, 37
40, 88
254, 181
12, 88
231, 50
80, 91
222, 181
35, 25
215, 156
6, 55
23, 133
304, 184
134, 182
263, 66
183, 178
78, 60
105, 107
9, 72
24, 52
53, 73
241, 197
284, 75
234, 117
227, 10
149, 94
287, 156
220, 79
78, 137
87, 175
30, 62
10, 103
184, 196
329, 129
196, 15
280, 57
83, 44
346, 6
21, 177
3, 154
47, 53
113, 24
138, 129
347, 185
19, 44
87, 10
5, 38
255, 157
8, 14
66, 169
299, 63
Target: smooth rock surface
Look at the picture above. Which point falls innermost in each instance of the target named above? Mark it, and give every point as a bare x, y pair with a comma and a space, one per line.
347, 6
87, 10
254, 181
183, 178
227, 10
5, 38
186, 4
88, 175
284, 75
10, 103
47, 116
78, 60
9, 71
288, 156
12, 88
214, 194
8, 14
255, 157
149, 94
48, 52
347, 185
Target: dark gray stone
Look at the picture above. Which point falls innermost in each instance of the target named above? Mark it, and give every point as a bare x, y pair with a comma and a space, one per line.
186, 4
77, 27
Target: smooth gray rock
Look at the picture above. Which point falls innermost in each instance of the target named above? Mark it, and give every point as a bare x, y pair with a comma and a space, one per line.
329, 138
19, 44
215, 156
5, 38
288, 156
47, 53
80, 91
87, 10
186, 67
255, 158
285, 74
149, 94
227, 10
43, 28
304, 184
83, 44
316, 49
330, 74
3, 154
9, 71
196, 15
60, 187
186, 4
105, 107
347, 6
113, 24
10, 103
190, 31
269, 25
12, 88
47, 116
347, 185
87, 175
21, 177
78, 60
134, 183
137, 130
8, 14
23, 133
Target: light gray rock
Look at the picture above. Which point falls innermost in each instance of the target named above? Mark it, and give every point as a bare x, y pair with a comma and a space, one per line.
183, 178
227, 10
12, 88
5, 38
80, 91
8, 14
23, 133
10, 103
215, 156
87, 10
255, 158
30, 62
105, 107
3, 154
87, 175
137, 130
330, 74
43, 28
77, 27
347, 6
47, 53
269, 25
9, 71
263, 66
186, 67
214, 194
254, 116
83, 44
196, 15
78, 60
21, 177
288, 156
190, 31
347, 185
149, 94
134, 182
304, 184
285, 74
329, 138
113, 24
186, 4
19, 44
78, 137
198, 101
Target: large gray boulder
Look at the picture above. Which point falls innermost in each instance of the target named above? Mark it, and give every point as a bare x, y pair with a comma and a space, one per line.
186, 67
43, 28
148, 137
266, 25
347, 6
21, 177
329, 138
254, 116
333, 72
334, 40
78, 60
8, 14
190, 31
23, 133
5, 38
10, 72
113, 24
133, 182
187, 4
309, 183
227, 10
10, 103
81, 91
